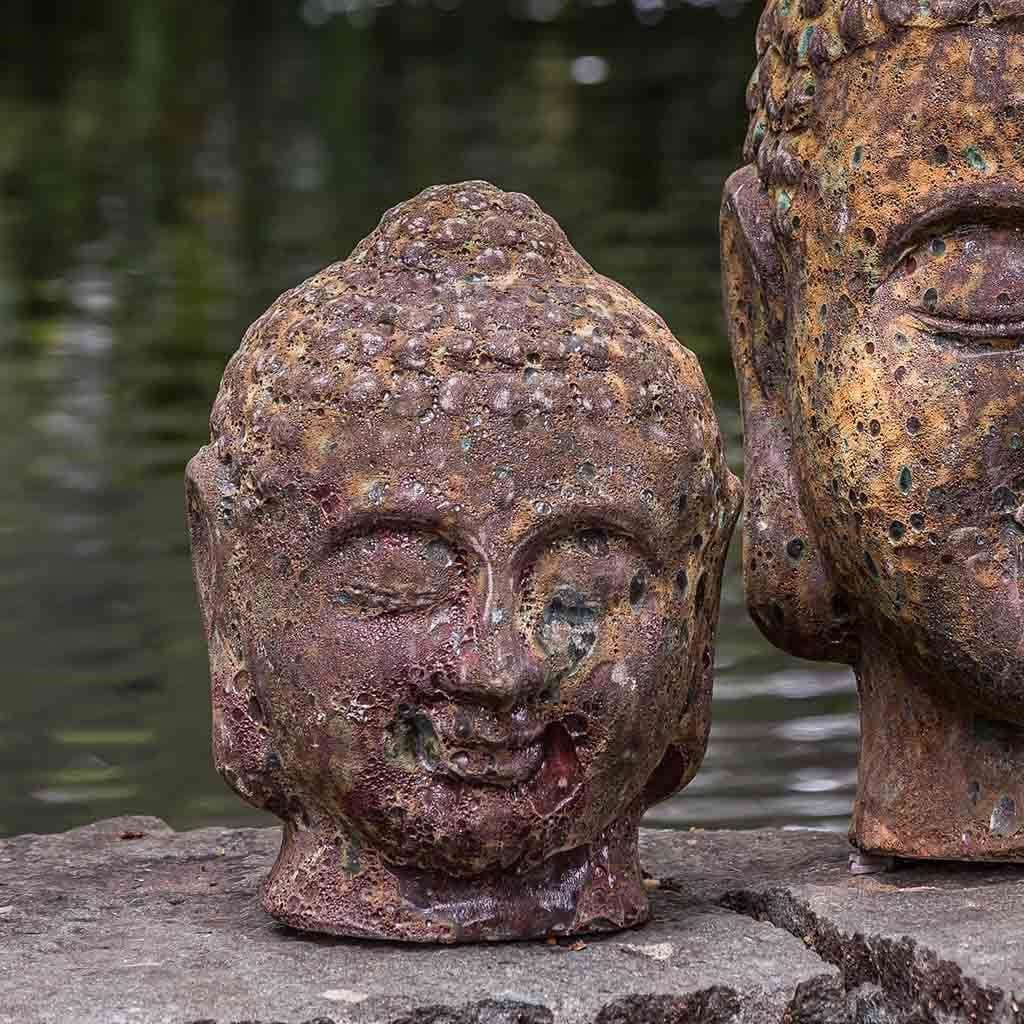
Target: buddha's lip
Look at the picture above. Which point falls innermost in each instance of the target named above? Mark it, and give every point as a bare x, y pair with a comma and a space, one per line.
508, 767
515, 739
462, 727
484, 747
511, 759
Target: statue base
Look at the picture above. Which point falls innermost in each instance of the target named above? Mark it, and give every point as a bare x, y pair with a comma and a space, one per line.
318, 884
937, 780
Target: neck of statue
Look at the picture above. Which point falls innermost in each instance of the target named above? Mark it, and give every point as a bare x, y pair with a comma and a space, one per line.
936, 777
318, 885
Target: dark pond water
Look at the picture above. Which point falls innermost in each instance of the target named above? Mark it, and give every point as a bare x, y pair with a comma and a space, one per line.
165, 170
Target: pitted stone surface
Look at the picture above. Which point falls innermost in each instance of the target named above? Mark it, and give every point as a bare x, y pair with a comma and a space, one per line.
923, 942
458, 537
873, 268
128, 921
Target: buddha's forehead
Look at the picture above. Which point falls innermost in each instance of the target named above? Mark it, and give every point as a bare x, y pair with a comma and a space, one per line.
927, 118
542, 453
491, 464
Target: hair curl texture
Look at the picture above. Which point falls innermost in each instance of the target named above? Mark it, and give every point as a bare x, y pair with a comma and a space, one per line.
465, 302
799, 44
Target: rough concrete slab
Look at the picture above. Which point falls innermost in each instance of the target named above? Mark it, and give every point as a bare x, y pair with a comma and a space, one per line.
923, 942
127, 921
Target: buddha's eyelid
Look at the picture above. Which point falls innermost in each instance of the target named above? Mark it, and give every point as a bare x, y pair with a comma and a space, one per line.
996, 203
973, 329
390, 518
635, 526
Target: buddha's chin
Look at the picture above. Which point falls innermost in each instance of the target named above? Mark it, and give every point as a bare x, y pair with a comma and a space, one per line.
485, 840
978, 673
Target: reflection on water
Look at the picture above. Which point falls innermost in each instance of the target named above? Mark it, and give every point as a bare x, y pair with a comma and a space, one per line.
161, 181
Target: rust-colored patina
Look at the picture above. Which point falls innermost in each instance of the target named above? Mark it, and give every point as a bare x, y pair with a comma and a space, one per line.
458, 538
874, 284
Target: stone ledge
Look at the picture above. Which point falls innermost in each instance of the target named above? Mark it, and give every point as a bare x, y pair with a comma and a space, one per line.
128, 921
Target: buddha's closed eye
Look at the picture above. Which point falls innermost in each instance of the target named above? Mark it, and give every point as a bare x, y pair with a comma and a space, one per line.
577, 580
571, 578
391, 571
964, 289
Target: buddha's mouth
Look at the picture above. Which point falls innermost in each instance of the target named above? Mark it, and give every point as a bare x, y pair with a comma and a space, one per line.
494, 752
495, 766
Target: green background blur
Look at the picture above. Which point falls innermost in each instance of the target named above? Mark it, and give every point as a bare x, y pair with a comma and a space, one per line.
166, 169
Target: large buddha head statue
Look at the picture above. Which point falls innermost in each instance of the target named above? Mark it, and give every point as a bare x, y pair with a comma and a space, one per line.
458, 538
874, 285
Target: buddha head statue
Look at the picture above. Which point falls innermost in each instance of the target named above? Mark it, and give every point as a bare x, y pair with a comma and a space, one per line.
873, 254
458, 538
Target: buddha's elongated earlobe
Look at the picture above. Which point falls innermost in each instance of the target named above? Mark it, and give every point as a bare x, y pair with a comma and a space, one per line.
684, 755
788, 590
241, 748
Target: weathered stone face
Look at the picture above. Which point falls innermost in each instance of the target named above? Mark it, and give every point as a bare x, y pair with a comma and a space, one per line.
881, 251
458, 538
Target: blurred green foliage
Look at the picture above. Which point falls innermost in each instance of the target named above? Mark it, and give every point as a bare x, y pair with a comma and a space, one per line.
166, 169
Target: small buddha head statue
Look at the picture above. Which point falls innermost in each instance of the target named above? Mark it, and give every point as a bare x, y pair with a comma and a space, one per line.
873, 255
458, 539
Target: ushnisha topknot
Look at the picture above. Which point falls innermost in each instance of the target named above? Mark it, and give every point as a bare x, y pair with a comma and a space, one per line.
799, 41
464, 302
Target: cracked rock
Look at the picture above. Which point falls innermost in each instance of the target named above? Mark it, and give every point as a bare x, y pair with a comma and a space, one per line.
923, 942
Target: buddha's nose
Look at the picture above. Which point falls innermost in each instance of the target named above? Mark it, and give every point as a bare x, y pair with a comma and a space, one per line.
497, 669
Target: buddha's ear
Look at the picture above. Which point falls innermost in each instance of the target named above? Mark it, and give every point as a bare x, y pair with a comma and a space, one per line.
788, 590
241, 743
